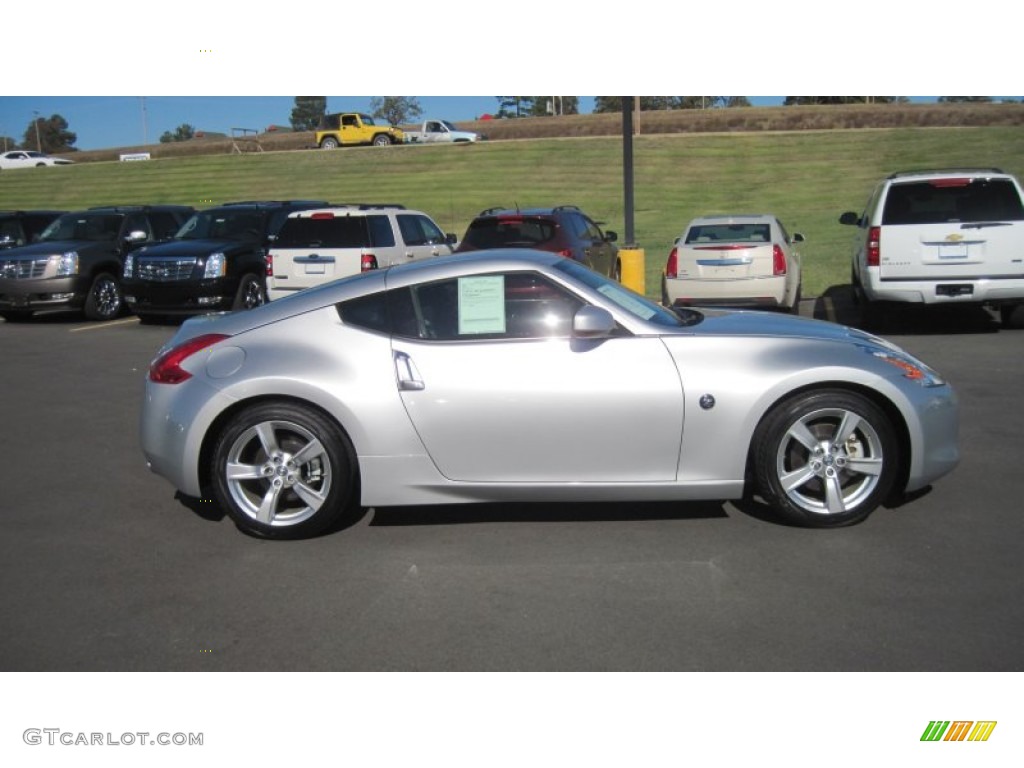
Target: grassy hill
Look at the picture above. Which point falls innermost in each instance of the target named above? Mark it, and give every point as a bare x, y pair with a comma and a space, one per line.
806, 177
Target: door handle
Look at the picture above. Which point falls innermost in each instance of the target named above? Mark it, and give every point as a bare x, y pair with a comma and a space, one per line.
406, 374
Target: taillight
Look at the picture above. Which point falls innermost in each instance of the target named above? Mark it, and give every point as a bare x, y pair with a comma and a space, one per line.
672, 267
269, 259
874, 246
778, 261
167, 369
566, 253
368, 262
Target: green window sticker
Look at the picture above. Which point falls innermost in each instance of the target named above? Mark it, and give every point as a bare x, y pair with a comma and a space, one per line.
481, 305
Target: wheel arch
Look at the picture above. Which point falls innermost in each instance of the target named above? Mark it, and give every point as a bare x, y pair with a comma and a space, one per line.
213, 431
879, 399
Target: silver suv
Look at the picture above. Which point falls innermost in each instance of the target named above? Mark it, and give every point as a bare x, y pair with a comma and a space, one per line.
323, 244
949, 236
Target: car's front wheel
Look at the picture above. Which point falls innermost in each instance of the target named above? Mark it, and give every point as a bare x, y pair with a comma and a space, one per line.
825, 459
382, 140
104, 301
251, 293
284, 471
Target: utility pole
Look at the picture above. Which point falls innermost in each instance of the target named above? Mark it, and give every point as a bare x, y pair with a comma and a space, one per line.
145, 132
39, 144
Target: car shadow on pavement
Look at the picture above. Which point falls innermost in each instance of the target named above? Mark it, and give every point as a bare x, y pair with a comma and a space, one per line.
537, 512
837, 305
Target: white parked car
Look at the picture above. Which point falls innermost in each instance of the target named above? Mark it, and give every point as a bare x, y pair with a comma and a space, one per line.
23, 158
322, 244
953, 236
734, 261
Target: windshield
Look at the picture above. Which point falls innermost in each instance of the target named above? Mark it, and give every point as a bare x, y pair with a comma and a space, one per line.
95, 227
223, 224
635, 304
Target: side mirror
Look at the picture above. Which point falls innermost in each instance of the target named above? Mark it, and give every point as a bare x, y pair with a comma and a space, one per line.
797, 237
592, 322
136, 236
850, 218
610, 236
451, 238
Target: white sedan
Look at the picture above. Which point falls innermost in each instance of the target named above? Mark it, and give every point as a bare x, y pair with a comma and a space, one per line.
734, 261
24, 158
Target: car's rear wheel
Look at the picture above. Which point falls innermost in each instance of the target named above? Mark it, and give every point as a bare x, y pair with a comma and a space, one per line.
284, 471
825, 459
329, 143
104, 301
251, 293
1012, 315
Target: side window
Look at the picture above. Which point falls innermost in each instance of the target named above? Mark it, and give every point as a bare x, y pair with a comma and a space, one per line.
165, 225
11, 232
593, 231
517, 305
381, 234
419, 230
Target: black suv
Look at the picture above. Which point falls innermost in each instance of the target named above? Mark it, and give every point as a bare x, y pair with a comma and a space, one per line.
77, 261
19, 228
216, 262
564, 229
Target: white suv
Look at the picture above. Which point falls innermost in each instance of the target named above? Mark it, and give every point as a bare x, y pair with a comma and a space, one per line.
322, 244
942, 237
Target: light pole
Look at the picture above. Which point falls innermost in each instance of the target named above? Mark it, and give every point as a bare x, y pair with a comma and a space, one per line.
39, 143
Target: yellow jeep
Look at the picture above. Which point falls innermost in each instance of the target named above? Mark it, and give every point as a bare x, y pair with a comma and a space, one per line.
353, 128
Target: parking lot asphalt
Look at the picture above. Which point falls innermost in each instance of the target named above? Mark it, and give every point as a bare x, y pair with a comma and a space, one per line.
104, 568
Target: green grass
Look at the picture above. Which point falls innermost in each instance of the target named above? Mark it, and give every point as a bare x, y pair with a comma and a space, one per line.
806, 178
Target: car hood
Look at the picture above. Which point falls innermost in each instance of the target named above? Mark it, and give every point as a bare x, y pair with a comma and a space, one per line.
772, 324
55, 246
194, 247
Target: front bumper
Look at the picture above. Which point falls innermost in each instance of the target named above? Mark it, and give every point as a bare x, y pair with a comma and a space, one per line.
45, 293
185, 297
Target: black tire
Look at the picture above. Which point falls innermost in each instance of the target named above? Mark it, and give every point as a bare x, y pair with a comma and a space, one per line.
795, 309
329, 142
16, 315
811, 479
250, 294
280, 499
616, 274
105, 300
1012, 315
382, 140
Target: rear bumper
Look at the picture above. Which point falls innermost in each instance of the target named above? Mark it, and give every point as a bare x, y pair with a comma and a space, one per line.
763, 292
979, 290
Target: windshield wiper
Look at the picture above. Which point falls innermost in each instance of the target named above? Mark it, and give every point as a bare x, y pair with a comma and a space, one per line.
980, 224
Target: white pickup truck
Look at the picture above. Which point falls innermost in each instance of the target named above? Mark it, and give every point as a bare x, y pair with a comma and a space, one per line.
439, 131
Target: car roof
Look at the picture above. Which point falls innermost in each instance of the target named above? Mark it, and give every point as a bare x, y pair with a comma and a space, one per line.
947, 172
347, 209
740, 218
527, 211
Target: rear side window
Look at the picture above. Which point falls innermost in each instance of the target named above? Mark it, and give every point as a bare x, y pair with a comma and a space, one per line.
510, 232
381, 234
325, 232
938, 201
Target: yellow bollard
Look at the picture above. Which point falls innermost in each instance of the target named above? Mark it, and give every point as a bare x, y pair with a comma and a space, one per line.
632, 274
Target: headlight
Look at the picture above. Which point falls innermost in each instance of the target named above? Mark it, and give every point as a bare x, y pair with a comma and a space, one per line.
67, 263
912, 369
216, 265
129, 265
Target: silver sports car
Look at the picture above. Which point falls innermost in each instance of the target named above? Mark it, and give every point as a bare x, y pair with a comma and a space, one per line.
519, 375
